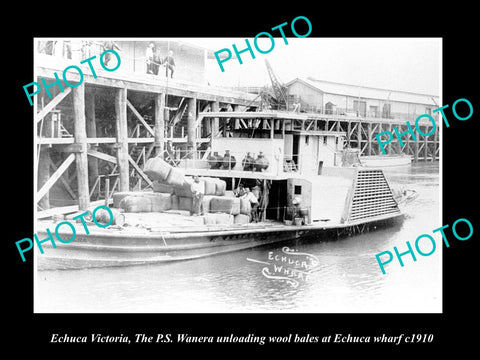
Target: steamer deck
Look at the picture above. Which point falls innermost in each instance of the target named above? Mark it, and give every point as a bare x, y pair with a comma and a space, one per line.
130, 245
338, 196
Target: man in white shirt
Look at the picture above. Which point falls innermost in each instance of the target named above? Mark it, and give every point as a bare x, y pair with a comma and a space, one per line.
149, 56
198, 191
253, 202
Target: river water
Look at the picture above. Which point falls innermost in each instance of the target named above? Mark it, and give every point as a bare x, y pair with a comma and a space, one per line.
347, 279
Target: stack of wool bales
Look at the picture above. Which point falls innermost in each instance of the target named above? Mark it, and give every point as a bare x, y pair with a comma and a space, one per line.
245, 212
218, 204
161, 171
222, 204
218, 219
142, 201
157, 169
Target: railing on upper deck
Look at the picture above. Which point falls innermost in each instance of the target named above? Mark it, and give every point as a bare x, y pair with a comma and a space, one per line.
200, 159
338, 113
84, 49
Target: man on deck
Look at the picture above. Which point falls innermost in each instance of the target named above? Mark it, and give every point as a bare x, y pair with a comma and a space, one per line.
198, 191
253, 202
149, 56
169, 62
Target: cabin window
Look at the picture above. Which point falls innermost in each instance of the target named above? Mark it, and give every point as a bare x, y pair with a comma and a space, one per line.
298, 190
324, 140
306, 139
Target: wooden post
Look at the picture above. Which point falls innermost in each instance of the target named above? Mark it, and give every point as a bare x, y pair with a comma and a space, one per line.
191, 125
435, 143
359, 137
265, 200
425, 146
43, 174
369, 135
80, 136
107, 191
415, 146
159, 124
91, 133
389, 145
406, 143
122, 137
215, 106
349, 133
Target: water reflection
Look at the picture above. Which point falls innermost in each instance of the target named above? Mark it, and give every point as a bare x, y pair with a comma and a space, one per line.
347, 279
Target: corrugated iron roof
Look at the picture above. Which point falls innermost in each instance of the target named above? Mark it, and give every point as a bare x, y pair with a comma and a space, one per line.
367, 92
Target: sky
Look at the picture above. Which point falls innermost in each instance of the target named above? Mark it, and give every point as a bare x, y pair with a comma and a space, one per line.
407, 64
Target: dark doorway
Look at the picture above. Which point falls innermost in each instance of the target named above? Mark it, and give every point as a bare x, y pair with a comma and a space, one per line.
295, 149
277, 201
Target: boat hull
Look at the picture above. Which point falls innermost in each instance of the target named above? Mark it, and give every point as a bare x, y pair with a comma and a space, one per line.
114, 248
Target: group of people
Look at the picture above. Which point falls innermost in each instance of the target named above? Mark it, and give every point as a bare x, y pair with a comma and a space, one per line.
78, 49
242, 192
154, 61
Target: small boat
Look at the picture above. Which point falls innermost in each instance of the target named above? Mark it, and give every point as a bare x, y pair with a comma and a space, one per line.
307, 190
386, 160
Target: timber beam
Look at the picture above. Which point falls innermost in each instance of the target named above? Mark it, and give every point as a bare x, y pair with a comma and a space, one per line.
47, 66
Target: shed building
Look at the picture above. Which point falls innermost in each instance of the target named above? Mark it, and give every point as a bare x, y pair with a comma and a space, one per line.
342, 99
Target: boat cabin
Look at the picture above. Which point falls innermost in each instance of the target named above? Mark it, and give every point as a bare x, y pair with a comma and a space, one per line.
301, 172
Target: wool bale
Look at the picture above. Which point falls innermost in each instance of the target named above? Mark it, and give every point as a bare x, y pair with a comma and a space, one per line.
175, 205
160, 201
162, 188
241, 219
210, 185
118, 196
223, 219
245, 206
225, 205
176, 177
136, 204
229, 193
206, 203
185, 203
157, 169
185, 188
103, 216
220, 187
209, 219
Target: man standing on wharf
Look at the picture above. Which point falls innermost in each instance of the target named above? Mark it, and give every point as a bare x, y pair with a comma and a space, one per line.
197, 191
150, 60
169, 62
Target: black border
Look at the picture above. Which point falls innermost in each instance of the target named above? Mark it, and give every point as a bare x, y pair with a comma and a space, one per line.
460, 73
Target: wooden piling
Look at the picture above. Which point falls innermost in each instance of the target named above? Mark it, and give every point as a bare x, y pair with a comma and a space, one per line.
415, 146
80, 136
215, 106
91, 133
359, 137
369, 136
159, 124
43, 174
425, 146
191, 124
389, 145
122, 137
